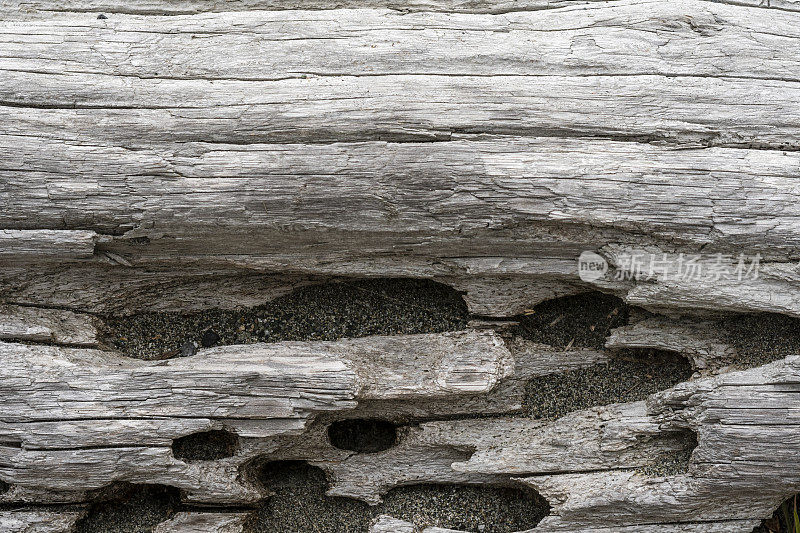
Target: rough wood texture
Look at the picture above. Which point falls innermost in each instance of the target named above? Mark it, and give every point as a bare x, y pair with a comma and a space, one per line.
699, 339
41, 245
47, 326
180, 155
65, 409
199, 522
38, 521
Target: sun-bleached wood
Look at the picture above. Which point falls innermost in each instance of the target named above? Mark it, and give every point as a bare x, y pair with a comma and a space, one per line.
699, 339
38, 521
203, 522
47, 326
179, 155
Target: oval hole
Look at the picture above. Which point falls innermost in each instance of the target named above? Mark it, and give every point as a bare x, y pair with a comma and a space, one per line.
206, 446
363, 435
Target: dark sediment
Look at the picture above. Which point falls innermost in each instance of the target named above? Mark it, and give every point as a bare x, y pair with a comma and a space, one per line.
762, 338
677, 462
580, 321
321, 312
130, 509
628, 376
467, 508
205, 446
299, 505
362, 435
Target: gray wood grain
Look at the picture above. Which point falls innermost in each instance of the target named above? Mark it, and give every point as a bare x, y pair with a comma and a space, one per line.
183, 155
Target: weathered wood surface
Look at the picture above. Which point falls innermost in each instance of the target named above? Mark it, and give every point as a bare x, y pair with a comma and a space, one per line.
33, 8
393, 525
576, 461
554, 137
202, 522
746, 429
43, 245
38, 521
54, 326
67, 408
700, 340
184, 154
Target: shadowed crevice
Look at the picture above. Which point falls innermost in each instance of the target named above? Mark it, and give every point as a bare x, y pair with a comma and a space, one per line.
320, 312
761, 338
475, 508
206, 446
363, 435
628, 376
579, 321
298, 504
125, 508
674, 462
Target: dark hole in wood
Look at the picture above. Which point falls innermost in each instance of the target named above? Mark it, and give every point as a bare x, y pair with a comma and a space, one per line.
298, 504
580, 321
277, 475
483, 509
628, 376
783, 519
320, 312
4, 486
206, 446
126, 508
762, 337
671, 454
363, 435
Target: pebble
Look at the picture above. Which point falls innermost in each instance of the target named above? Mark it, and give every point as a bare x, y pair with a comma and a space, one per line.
209, 339
188, 349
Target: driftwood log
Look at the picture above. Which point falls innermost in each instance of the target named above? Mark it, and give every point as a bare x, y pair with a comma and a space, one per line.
181, 156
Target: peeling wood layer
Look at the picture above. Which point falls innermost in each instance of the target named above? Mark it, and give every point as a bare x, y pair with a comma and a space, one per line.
49, 326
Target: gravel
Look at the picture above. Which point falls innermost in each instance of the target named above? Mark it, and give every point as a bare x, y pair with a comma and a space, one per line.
206, 446
676, 463
321, 312
131, 509
299, 505
628, 376
577, 321
467, 508
762, 338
